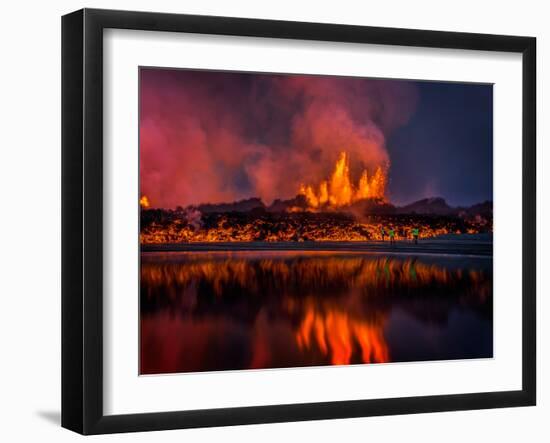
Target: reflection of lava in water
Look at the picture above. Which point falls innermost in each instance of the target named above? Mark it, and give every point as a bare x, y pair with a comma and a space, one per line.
335, 333
237, 310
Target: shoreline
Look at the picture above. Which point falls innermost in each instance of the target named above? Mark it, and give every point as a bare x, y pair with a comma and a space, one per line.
478, 246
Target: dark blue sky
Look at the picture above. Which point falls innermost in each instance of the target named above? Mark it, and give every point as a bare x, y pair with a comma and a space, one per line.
446, 148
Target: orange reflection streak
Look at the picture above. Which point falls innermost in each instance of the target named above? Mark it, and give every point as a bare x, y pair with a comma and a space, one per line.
335, 333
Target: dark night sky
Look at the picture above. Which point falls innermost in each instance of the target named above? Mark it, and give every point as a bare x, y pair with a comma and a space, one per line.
208, 136
446, 149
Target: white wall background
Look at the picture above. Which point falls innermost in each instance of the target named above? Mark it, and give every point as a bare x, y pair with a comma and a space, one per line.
30, 92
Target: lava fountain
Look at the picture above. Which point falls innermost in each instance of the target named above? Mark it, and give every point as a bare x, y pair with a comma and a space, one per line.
339, 190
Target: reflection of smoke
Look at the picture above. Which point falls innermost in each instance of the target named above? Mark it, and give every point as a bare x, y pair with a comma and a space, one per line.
216, 137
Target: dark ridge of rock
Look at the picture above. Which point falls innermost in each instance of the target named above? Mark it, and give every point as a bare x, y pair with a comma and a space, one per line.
245, 205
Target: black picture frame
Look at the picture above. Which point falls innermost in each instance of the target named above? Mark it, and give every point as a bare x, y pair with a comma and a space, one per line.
82, 218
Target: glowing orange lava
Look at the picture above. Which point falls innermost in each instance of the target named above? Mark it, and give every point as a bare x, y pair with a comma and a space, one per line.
339, 190
144, 202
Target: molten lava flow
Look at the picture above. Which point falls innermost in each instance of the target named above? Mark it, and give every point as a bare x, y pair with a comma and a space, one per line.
339, 189
144, 202
172, 227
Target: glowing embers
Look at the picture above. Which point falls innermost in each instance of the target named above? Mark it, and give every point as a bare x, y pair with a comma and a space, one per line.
144, 202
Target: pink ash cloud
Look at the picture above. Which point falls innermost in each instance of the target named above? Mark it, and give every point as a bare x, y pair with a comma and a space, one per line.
211, 137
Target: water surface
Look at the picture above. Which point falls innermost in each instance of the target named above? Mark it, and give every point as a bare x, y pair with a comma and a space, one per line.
208, 311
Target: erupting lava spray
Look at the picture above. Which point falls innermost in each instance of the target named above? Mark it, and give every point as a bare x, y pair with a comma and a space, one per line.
339, 189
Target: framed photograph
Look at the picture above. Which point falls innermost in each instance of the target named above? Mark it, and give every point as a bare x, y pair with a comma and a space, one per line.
269, 221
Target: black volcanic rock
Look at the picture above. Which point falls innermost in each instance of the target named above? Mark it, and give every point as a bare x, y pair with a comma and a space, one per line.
278, 205
431, 206
283, 205
435, 206
371, 206
484, 209
362, 207
438, 206
239, 206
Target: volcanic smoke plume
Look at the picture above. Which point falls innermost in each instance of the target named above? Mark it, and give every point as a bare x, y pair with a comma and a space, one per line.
212, 137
